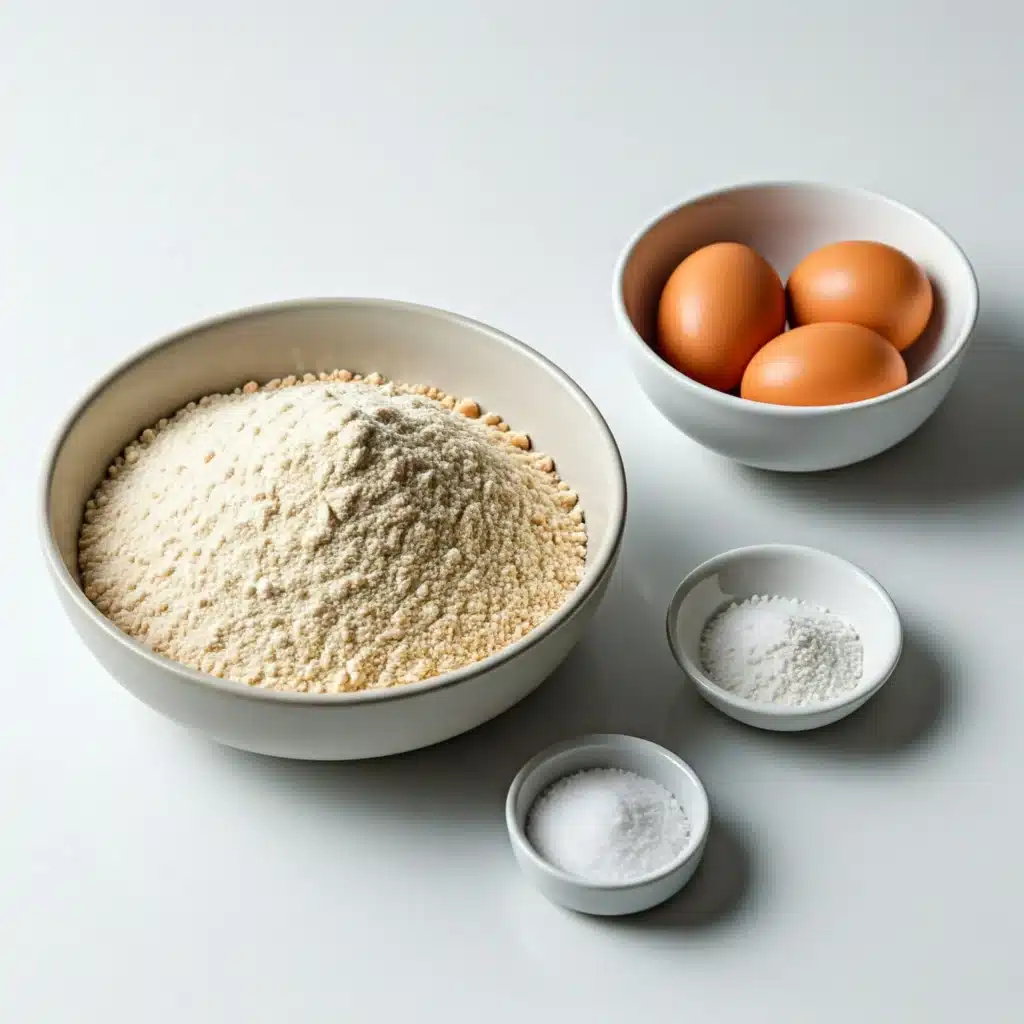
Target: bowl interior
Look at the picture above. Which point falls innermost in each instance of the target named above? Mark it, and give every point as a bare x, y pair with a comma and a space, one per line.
613, 751
786, 222
408, 343
801, 573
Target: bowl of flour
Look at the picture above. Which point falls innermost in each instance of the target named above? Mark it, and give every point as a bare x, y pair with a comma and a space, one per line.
333, 529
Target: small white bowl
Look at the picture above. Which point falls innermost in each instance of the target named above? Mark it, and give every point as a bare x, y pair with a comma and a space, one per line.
804, 574
784, 222
607, 751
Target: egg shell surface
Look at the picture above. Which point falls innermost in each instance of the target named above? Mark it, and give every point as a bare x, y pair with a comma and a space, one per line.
720, 305
866, 283
824, 364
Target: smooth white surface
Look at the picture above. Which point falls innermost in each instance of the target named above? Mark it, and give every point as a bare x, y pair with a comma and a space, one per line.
802, 574
784, 222
630, 754
402, 342
162, 163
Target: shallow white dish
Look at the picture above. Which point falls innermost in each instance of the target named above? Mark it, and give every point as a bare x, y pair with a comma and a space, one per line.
404, 342
802, 573
785, 221
607, 751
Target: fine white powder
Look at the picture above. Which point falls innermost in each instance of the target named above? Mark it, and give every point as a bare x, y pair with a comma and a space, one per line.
330, 535
781, 651
608, 826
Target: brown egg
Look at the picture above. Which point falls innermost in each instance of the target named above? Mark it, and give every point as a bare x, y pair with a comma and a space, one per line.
824, 364
864, 283
721, 304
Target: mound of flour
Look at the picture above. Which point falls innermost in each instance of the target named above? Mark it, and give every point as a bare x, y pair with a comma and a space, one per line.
329, 536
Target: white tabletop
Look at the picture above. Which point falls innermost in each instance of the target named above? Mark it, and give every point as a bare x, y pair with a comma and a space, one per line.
161, 163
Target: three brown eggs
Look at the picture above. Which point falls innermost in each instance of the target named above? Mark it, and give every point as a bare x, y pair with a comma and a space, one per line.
852, 307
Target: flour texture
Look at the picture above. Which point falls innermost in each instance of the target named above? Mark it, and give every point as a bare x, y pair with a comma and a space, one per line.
330, 535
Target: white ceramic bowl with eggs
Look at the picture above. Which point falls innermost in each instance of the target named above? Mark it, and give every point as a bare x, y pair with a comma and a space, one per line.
784, 222
803, 574
404, 342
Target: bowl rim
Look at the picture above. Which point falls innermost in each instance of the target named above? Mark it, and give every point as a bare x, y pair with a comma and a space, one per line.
727, 401
865, 689
516, 823
604, 559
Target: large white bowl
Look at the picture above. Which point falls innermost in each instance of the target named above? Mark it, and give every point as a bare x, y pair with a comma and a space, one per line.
785, 221
401, 341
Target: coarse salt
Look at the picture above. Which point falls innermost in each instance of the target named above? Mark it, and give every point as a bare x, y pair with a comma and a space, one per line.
781, 651
607, 825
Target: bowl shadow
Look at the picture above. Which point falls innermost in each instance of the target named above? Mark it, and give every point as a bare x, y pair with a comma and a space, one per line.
460, 781
720, 889
965, 452
466, 778
621, 678
907, 712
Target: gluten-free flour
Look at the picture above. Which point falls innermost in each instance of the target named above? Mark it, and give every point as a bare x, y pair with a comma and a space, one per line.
330, 535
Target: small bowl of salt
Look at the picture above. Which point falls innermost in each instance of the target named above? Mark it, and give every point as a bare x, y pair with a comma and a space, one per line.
784, 637
607, 824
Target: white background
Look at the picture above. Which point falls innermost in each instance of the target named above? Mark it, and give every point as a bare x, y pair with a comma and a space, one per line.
160, 163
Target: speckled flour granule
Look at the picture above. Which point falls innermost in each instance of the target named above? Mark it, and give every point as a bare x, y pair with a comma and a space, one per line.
330, 534
781, 651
